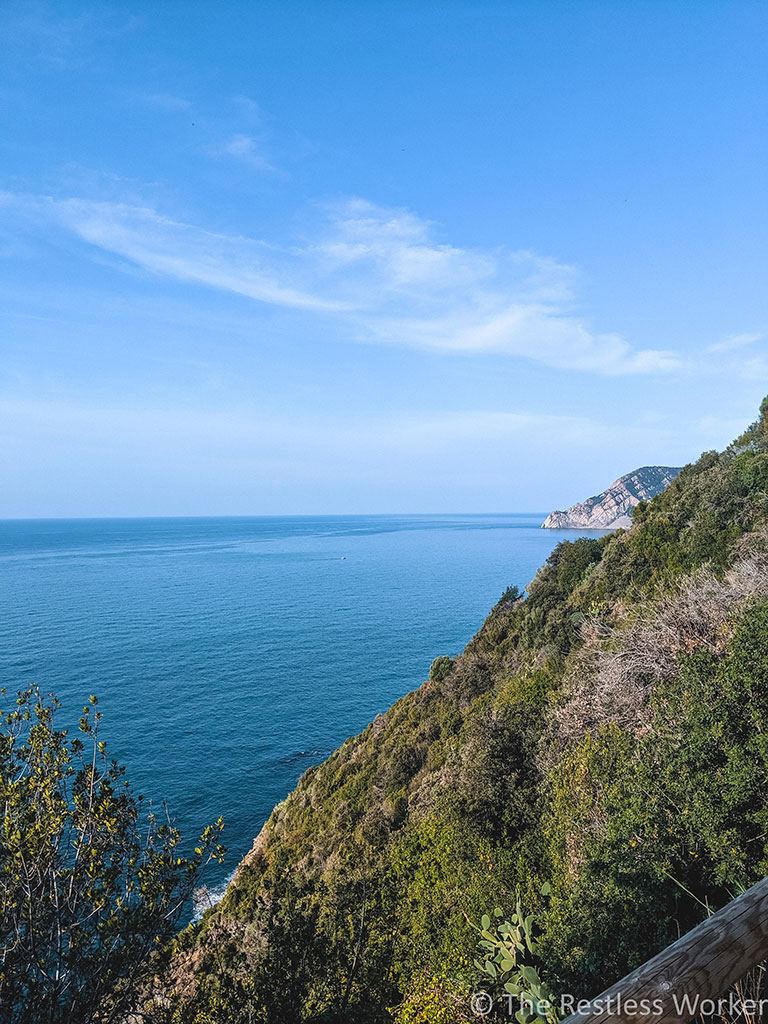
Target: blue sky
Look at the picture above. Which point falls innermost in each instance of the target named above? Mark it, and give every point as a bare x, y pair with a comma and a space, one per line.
317, 257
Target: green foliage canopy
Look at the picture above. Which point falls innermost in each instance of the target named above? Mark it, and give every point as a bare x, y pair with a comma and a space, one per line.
88, 890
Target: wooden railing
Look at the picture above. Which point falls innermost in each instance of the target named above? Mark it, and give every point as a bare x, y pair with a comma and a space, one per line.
702, 965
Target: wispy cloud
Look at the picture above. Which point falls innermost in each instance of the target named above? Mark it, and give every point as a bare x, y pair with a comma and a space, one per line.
248, 149
247, 139
57, 41
241, 265
736, 341
380, 273
163, 101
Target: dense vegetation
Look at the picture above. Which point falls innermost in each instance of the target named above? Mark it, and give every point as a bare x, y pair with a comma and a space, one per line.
90, 887
606, 735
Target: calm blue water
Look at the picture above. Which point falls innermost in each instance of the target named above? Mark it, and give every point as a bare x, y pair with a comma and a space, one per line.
229, 654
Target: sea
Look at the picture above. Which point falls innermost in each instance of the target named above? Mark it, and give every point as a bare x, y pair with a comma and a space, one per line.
230, 654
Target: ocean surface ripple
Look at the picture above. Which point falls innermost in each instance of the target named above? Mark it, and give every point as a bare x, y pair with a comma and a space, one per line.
230, 654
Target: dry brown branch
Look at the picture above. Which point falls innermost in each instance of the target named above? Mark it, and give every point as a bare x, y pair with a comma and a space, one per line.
619, 666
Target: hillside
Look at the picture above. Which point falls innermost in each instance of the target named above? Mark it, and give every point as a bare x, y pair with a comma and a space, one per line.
612, 508
607, 734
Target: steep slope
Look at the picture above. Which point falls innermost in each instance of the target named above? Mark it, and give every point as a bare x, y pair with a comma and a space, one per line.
612, 508
607, 734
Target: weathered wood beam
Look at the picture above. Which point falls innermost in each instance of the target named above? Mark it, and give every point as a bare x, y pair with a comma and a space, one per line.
703, 964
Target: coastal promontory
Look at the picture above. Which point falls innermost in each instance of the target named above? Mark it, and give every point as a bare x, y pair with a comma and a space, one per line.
612, 508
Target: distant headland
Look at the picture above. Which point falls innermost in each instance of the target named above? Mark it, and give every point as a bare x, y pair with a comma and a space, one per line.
612, 509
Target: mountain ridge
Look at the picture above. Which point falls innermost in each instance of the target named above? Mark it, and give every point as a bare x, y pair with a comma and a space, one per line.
611, 509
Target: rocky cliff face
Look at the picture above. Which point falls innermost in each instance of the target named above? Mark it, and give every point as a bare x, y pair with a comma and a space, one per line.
612, 509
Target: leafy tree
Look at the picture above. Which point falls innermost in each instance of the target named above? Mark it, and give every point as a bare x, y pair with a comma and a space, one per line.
90, 887
440, 668
510, 596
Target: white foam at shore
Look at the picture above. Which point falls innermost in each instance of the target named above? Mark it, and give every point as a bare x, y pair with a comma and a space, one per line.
204, 898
